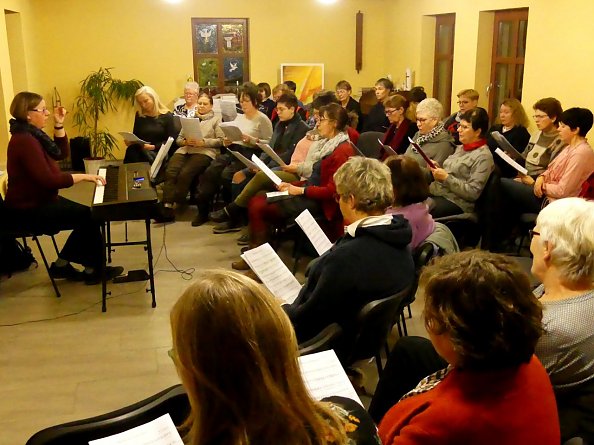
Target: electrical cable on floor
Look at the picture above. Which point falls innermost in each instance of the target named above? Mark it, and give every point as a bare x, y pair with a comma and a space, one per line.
186, 274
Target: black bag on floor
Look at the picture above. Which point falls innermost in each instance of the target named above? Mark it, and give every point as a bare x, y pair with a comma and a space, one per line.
14, 256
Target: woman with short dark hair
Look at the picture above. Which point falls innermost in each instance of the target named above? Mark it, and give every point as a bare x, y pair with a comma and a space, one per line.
376, 120
461, 180
484, 321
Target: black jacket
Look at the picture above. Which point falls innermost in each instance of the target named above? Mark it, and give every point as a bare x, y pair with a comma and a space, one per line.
285, 138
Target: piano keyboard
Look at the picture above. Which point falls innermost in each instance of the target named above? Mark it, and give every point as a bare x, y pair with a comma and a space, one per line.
100, 189
109, 191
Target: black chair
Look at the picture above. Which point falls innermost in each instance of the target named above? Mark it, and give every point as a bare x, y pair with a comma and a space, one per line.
10, 229
368, 144
527, 223
173, 401
324, 341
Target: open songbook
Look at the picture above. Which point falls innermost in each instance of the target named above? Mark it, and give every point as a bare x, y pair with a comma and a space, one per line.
275, 275
158, 162
314, 232
417, 147
243, 159
161, 431
506, 146
132, 138
503, 155
270, 152
387, 148
191, 128
232, 131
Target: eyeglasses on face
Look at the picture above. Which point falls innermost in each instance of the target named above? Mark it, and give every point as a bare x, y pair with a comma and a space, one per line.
43, 110
281, 109
464, 127
389, 111
325, 118
533, 233
539, 116
463, 102
422, 120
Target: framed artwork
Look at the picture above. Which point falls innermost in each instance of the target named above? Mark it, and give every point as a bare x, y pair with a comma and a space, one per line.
309, 78
221, 53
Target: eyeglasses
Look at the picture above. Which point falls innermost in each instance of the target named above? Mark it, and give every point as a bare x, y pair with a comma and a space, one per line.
464, 127
463, 102
281, 109
422, 119
324, 118
337, 197
540, 116
389, 111
43, 110
533, 233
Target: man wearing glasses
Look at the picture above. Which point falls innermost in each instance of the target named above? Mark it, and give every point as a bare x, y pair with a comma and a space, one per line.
467, 100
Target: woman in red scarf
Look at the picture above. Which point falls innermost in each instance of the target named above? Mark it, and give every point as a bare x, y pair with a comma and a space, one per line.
464, 174
401, 128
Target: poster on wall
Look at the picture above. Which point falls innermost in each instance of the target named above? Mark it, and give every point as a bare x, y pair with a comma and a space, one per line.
309, 78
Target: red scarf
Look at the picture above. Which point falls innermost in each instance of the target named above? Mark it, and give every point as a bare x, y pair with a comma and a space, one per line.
394, 137
474, 145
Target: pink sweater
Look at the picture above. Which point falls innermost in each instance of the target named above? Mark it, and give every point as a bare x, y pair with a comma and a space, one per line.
568, 171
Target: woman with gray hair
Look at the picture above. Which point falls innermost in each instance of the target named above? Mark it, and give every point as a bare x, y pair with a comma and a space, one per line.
563, 248
432, 137
190, 107
371, 261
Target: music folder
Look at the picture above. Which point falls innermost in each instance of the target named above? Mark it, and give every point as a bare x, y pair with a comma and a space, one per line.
508, 148
422, 153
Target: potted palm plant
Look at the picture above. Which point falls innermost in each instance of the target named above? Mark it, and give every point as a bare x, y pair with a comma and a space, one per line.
99, 94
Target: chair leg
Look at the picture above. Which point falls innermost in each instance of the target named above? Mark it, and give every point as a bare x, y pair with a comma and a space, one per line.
399, 326
378, 363
47, 266
387, 348
404, 324
409, 312
55, 245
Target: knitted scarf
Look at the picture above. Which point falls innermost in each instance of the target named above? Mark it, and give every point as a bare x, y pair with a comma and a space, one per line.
427, 137
49, 146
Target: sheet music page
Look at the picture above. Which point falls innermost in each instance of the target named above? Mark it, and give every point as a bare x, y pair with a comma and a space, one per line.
389, 149
228, 109
275, 275
271, 175
270, 152
314, 232
508, 148
242, 158
131, 137
276, 194
324, 376
232, 131
191, 127
503, 155
160, 431
158, 162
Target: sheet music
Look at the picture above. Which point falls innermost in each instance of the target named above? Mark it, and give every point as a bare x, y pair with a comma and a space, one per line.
275, 275
160, 431
270, 152
232, 131
228, 109
242, 158
158, 162
389, 149
324, 376
191, 128
314, 232
510, 161
276, 194
506, 146
131, 137
100, 188
271, 175
422, 153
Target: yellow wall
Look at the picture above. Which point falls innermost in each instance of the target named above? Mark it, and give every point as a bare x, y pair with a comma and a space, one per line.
559, 48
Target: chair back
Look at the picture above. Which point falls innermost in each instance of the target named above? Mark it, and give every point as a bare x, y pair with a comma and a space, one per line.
173, 401
324, 341
374, 322
368, 144
587, 191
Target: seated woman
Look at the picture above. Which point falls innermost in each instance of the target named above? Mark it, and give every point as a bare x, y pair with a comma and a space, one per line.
256, 128
316, 194
562, 245
153, 123
564, 176
410, 193
432, 137
512, 123
376, 120
267, 105
33, 184
484, 321
401, 128
192, 158
237, 357
371, 261
343, 93
465, 173
190, 107
467, 101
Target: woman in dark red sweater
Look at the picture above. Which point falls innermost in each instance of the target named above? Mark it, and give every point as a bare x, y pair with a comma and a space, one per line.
316, 194
34, 179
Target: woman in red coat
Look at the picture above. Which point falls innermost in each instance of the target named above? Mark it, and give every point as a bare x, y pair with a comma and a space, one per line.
316, 194
484, 321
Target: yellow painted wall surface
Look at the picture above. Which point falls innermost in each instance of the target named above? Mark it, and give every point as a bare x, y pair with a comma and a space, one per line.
559, 49
151, 40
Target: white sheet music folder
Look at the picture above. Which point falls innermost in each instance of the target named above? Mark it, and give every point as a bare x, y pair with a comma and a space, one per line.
161, 431
275, 275
158, 162
324, 376
314, 232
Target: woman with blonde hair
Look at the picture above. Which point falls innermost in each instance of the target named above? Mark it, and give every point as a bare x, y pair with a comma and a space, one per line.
153, 124
236, 354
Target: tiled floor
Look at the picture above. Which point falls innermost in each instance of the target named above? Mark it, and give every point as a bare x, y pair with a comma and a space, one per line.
62, 359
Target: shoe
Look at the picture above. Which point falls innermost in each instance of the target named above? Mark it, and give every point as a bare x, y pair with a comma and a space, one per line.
164, 215
219, 216
67, 272
226, 227
243, 240
240, 265
110, 273
199, 220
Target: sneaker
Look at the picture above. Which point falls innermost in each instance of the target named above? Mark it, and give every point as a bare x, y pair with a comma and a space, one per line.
243, 240
67, 272
199, 220
226, 227
110, 273
219, 216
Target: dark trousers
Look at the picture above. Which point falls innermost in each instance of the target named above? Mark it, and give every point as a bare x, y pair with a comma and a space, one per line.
136, 153
520, 196
410, 361
181, 171
84, 244
441, 207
